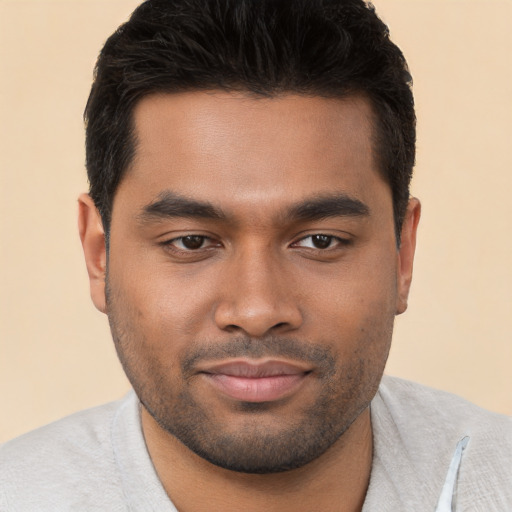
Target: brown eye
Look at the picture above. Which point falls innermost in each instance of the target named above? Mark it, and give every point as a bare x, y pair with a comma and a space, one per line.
192, 242
191, 247
321, 241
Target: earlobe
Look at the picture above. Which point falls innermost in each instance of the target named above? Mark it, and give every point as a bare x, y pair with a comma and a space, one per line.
406, 253
92, 236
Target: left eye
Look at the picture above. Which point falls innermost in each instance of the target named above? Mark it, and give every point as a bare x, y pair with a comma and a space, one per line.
319, 241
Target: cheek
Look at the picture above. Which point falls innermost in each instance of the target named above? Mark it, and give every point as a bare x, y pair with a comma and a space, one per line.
356, 309
162, 300
146, 336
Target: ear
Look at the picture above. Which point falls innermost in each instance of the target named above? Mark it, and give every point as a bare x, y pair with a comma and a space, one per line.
92, 236
406, 253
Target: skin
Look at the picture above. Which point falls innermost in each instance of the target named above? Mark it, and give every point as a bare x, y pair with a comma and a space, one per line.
264, 277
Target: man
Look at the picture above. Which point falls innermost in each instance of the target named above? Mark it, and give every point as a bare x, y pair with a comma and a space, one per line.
250, 235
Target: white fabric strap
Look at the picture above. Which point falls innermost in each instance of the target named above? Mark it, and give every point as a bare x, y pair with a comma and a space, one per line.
445, 503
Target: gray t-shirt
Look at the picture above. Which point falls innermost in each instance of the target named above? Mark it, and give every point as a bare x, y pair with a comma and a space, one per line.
97, 459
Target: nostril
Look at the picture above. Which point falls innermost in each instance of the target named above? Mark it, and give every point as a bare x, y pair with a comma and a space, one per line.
256, 317
233, 328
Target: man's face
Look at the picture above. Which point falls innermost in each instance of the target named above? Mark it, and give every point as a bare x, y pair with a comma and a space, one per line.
253, 274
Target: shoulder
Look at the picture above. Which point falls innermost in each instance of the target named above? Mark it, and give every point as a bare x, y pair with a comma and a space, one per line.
415, 404
61, 458
423, 426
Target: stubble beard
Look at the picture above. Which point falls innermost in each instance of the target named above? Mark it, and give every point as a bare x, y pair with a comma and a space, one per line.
257, 447
346, 391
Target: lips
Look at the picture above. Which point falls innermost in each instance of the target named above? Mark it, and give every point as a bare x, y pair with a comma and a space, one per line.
264, 381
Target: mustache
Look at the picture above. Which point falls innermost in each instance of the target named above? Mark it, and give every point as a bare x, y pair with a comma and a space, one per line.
267, 347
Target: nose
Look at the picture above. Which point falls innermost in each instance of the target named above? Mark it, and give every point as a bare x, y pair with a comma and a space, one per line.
257, 296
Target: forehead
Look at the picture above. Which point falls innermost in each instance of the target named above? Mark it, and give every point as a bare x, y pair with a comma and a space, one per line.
232, 147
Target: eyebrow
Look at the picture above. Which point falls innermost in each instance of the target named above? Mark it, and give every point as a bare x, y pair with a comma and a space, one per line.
326, 206
169, 204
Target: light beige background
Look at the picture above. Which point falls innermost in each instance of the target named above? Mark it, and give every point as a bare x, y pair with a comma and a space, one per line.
56, 355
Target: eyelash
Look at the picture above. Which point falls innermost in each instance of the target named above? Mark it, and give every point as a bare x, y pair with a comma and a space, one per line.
170, 244
332, 238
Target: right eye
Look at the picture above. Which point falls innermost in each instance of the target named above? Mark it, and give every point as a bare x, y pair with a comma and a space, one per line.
190, 247
189, 242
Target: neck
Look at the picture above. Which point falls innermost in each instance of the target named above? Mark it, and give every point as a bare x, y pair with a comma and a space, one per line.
335, 481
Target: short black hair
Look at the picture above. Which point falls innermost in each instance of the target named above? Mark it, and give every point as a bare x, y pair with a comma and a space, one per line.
331, 48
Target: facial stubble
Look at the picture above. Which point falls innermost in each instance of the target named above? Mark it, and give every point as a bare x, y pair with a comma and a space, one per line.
168, 391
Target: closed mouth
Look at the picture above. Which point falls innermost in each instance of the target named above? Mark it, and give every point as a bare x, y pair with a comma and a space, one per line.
256, 381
